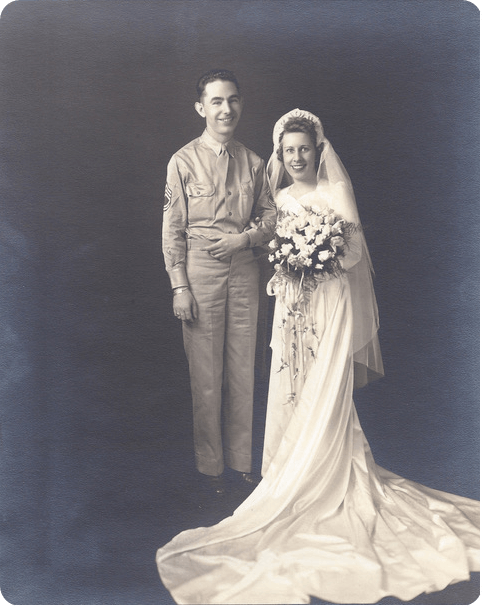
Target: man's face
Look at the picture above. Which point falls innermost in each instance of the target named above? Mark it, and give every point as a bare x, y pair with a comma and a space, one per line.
221, 105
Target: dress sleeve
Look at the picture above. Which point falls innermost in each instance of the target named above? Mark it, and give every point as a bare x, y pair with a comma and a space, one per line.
174, 226
345, 207
353, 250
264, 209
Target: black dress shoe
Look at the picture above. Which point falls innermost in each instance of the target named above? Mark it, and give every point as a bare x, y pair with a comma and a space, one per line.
216, 484
250, 478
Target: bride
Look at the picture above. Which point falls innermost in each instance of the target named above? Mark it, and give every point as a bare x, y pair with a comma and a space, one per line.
325, 521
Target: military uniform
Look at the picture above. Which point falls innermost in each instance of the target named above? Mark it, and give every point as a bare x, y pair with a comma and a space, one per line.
214, 189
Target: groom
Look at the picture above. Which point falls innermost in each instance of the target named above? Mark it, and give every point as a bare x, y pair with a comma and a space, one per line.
217, 208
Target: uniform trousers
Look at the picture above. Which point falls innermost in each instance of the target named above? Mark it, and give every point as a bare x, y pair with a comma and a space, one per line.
220, 347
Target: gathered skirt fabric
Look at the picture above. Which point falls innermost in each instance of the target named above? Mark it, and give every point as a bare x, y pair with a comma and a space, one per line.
326, 521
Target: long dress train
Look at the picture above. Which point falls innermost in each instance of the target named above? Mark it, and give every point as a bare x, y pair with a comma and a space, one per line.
325, 521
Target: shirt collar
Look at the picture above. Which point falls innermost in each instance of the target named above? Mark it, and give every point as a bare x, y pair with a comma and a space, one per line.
218, 147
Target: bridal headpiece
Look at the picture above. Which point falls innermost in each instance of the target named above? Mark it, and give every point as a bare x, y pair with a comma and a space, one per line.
298, 113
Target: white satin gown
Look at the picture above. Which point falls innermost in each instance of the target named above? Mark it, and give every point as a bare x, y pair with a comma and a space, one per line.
326, 520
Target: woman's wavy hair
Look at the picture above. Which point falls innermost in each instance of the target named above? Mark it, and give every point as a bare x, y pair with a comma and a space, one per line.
300, 125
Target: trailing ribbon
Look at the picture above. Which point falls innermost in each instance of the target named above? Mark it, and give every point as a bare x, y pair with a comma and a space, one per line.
298, 327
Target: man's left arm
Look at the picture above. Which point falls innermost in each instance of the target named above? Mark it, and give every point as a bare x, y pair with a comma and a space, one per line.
263, 215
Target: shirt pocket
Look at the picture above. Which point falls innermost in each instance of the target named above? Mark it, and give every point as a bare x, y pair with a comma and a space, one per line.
201, 205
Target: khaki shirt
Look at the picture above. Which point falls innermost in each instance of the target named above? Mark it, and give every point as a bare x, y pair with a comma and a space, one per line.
206, 200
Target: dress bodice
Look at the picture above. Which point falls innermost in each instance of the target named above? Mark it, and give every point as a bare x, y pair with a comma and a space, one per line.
286, 203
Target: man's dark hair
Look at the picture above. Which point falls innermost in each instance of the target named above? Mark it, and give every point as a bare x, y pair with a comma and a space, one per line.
211, 76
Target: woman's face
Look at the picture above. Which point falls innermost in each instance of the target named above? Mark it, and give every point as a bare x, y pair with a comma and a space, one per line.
299, 156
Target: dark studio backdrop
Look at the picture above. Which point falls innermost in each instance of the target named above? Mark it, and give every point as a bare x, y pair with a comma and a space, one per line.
96, 95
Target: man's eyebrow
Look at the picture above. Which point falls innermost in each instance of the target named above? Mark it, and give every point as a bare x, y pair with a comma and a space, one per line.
221, 98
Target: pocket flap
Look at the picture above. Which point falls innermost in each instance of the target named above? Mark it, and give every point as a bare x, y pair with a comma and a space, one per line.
200, 189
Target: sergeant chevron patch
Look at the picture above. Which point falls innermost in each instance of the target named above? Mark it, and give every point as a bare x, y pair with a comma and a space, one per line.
167, 198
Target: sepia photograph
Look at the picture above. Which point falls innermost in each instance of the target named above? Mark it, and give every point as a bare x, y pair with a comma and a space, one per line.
239, 302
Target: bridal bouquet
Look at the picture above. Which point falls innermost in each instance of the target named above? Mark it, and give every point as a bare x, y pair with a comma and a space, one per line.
306, 249
308, 246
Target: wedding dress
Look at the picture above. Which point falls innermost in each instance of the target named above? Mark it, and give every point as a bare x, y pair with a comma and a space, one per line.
325, 521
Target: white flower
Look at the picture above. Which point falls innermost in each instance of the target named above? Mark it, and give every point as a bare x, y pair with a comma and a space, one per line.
310, 232
307, 250
324, 255
301, 221
285, 249
298, 240
336, 241
326, 231
316, 221
272, 244
271, 258
320, 239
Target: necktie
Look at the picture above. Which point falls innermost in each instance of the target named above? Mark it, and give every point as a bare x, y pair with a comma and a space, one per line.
222, 165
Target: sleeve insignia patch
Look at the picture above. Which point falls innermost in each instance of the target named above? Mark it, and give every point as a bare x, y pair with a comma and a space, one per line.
167, 198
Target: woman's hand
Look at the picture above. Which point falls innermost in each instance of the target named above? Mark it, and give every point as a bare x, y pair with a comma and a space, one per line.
184, 306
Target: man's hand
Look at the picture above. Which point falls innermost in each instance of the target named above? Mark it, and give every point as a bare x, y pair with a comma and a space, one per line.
184, 306
227, 245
